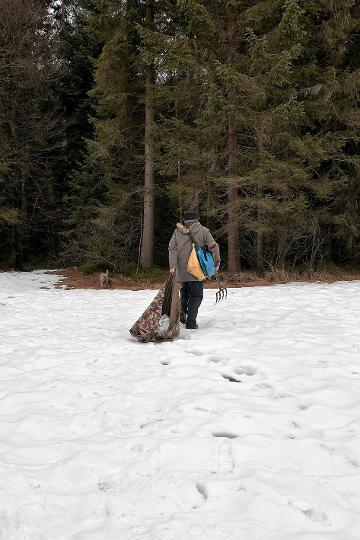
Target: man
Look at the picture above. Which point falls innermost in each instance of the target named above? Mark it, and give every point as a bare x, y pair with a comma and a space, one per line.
180, 247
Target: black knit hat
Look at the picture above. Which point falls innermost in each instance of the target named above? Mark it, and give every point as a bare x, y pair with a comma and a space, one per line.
190, 214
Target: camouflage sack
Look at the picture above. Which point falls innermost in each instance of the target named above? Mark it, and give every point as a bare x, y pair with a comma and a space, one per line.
160, 321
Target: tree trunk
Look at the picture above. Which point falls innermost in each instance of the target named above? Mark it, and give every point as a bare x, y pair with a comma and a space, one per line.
260, 232
283, 232
19, 257
178, 163
62, 15
147, 247
19, 231
281, 251
233, 225
260, 251
52, 236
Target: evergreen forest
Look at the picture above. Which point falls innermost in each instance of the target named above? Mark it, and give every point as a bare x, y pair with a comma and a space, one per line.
118, 115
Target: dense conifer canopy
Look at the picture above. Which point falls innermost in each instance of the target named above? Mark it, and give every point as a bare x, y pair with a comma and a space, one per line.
116, 115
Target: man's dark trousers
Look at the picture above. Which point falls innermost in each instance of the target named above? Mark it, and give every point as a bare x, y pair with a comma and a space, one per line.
192, 293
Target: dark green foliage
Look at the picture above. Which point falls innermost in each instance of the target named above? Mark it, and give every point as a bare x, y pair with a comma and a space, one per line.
282, 75
30, 132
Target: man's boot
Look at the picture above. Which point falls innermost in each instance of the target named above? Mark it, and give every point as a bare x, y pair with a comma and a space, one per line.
183, 317
191, 325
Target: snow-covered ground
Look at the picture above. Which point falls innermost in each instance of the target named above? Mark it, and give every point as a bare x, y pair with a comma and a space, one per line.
247, 429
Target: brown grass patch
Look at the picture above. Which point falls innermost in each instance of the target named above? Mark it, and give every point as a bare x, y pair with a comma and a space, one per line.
73, 278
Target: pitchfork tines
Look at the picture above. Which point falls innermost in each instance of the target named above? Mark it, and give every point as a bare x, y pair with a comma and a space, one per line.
221, 293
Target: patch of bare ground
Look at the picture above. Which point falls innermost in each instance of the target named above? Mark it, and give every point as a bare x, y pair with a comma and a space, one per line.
73, 278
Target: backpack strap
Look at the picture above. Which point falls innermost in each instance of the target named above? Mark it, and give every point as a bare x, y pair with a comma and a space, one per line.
192, 239
205, 247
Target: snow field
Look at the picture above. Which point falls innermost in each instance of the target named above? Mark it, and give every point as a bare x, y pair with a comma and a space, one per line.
247, 429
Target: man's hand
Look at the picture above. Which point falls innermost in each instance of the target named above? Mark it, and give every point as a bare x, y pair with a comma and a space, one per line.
217, 268
172, 270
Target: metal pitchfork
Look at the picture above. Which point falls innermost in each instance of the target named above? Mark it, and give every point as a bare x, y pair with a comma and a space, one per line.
222, 292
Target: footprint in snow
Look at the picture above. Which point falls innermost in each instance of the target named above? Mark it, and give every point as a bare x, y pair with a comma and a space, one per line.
315, 515
105, 485
225, 458
215, 358
196, 352
226, 434
265, 385
206, 411
304, 406
203, 491
353, 462
246, 370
